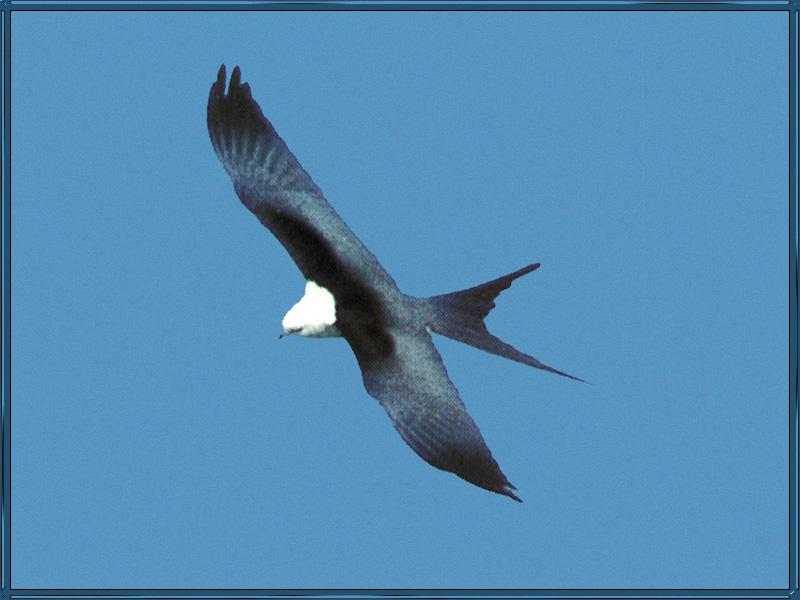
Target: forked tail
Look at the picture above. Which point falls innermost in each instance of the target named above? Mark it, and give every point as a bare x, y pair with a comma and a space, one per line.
460, 315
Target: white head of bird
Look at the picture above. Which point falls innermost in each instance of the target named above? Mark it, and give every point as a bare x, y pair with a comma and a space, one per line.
314, 315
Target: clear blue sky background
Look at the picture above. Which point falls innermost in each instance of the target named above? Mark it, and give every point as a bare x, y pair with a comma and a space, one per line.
164, 437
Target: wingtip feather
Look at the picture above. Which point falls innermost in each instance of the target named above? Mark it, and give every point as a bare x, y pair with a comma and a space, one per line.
517, 274
513, 496
567, 375
508, 490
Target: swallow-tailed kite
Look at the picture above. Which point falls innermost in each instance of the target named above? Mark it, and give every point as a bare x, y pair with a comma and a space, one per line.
349, 294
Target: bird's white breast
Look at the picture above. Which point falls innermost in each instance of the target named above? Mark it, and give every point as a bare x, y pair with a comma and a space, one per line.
314, 315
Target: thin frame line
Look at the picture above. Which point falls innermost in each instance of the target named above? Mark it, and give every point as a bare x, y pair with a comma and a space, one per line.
412, 5
627, 594
5, 427
793, 568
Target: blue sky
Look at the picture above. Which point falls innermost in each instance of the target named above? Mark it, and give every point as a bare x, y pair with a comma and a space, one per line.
164, 437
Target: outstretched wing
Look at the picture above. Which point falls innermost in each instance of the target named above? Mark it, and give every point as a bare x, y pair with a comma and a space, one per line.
413, 386
271, 183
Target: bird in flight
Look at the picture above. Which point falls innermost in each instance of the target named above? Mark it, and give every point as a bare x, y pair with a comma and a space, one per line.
349, 294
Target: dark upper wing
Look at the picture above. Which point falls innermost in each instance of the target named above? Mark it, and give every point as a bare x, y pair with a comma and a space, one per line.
413, 386
271, 183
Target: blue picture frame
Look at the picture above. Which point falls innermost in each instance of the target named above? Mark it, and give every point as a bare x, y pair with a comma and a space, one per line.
790, 8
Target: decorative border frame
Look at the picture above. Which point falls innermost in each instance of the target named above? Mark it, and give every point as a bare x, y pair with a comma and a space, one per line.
8, 7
